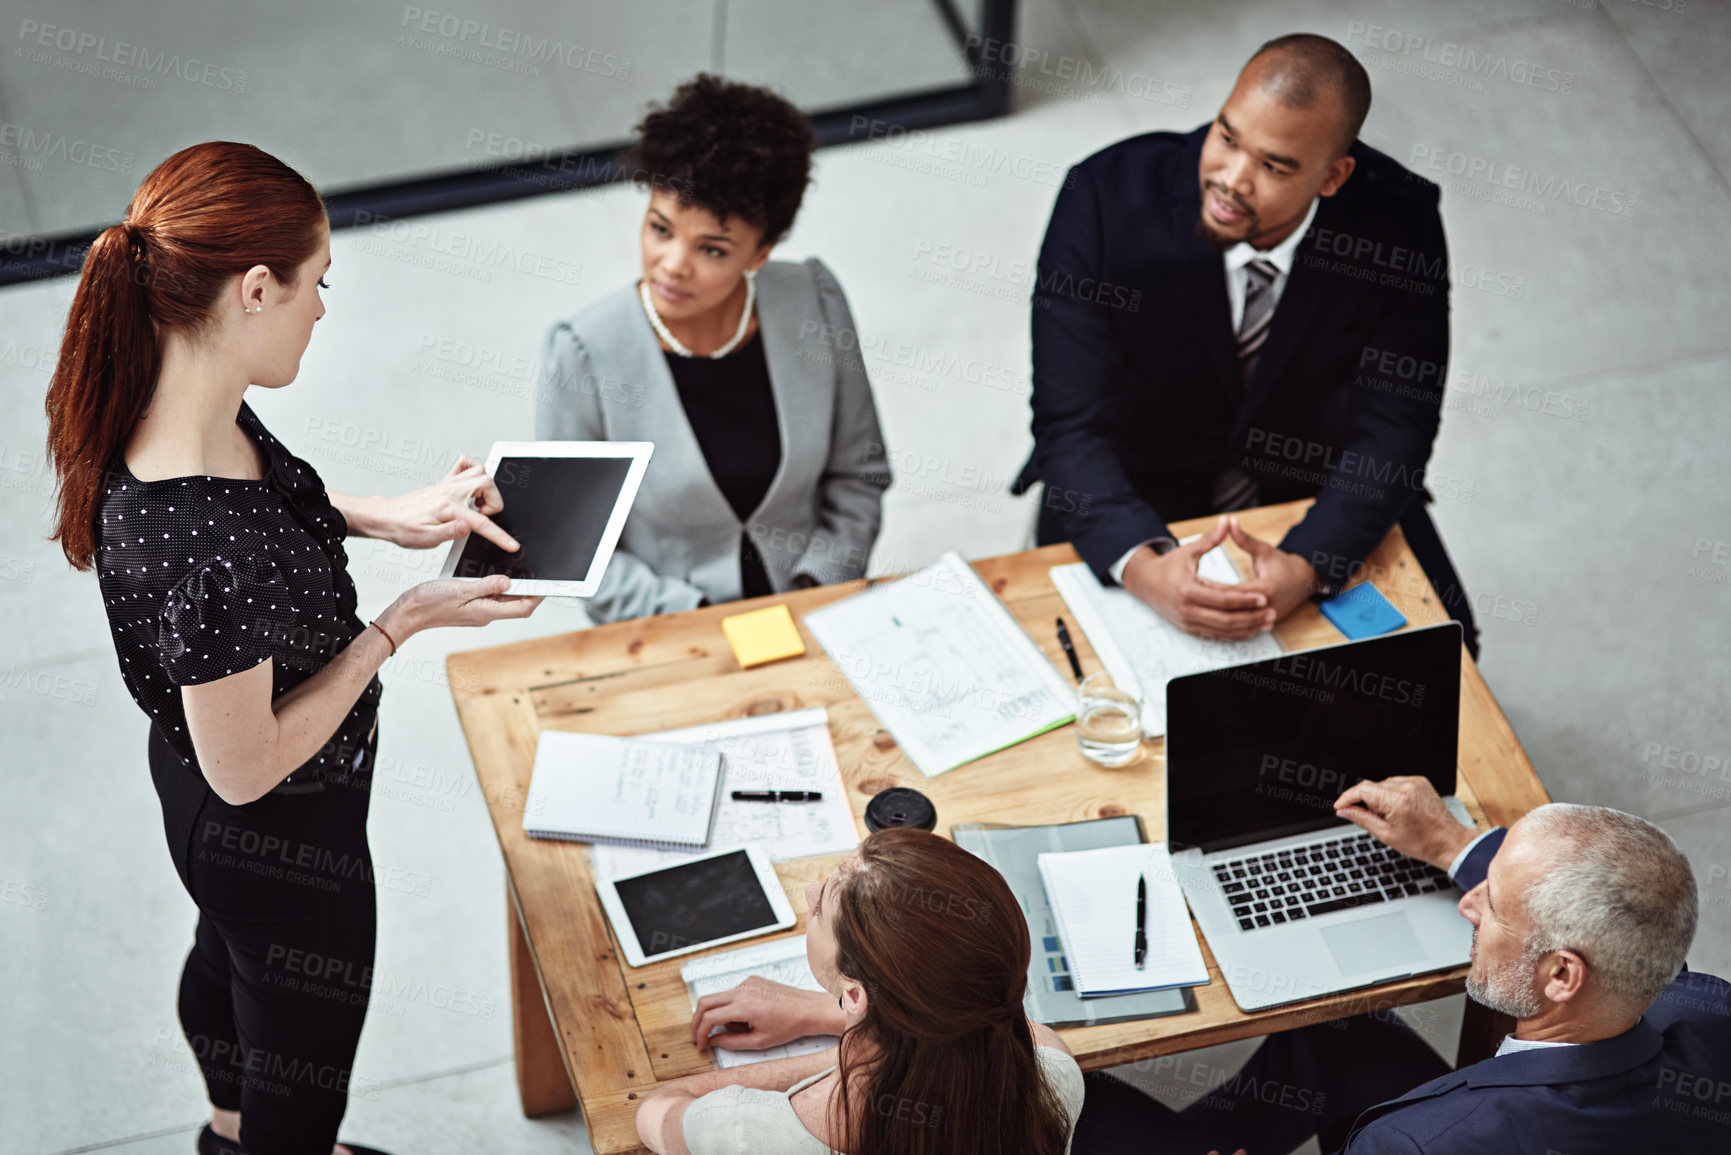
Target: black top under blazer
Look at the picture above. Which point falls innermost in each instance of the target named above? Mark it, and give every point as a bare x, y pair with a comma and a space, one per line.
1137, 400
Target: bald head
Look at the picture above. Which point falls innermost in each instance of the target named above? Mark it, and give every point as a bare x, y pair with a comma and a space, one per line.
1305, 71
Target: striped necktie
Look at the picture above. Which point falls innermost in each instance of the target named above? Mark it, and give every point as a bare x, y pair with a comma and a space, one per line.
1258, 315
1232, 488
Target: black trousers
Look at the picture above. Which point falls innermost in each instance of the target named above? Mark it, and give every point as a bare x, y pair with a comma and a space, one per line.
1311, 1081
1421, 536
276, 986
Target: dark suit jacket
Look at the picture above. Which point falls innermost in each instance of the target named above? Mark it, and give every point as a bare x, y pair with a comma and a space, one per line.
1138, 404
1664, 1085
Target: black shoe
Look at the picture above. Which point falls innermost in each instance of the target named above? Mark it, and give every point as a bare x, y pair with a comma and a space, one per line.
210, 1143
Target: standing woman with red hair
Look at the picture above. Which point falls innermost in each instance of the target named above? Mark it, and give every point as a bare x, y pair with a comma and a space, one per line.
221, 563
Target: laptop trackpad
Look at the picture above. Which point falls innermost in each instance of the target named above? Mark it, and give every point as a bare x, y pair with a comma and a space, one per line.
1373, 944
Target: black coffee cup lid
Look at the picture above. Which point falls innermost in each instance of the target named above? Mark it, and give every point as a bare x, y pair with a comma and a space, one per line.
900, 806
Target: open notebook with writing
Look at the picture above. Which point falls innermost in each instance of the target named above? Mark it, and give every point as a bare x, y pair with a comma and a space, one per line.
1093, 897
596, 788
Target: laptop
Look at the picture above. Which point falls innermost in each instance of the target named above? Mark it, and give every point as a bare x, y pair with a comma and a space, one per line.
1294, 901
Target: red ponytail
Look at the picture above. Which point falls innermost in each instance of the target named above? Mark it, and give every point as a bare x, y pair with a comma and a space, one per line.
204, 215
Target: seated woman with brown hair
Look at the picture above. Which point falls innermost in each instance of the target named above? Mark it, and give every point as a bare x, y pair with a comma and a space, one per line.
924, 952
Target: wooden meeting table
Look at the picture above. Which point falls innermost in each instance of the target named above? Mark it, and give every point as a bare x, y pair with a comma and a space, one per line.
588, 1028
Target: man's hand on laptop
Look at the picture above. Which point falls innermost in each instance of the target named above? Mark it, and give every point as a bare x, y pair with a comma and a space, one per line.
1170, 584
1406, 813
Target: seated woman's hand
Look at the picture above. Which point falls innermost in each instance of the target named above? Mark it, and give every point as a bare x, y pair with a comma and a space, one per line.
758, 1014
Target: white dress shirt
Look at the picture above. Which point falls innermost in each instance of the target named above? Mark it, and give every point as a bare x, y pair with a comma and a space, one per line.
1280, 256
1510, 1045
1237, 257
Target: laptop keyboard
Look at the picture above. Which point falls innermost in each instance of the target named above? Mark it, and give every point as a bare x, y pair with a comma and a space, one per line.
1304, 882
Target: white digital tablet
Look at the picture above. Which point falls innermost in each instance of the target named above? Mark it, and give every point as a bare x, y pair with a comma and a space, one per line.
700, 903
566, 504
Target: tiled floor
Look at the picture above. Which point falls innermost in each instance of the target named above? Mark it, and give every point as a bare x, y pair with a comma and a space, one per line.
1584, 441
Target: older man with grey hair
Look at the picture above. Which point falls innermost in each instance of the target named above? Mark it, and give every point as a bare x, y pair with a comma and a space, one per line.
1581, 919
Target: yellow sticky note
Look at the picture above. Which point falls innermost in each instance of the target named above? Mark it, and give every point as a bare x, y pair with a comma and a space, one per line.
763, 636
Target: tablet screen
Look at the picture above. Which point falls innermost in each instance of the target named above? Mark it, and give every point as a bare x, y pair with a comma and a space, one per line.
695, 902
557, 508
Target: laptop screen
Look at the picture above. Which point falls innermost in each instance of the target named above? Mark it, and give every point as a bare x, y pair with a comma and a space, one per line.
1261, 751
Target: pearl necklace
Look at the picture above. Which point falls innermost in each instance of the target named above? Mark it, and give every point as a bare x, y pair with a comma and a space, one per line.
675, 344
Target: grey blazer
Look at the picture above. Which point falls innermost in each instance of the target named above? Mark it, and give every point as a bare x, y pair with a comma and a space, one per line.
605, 378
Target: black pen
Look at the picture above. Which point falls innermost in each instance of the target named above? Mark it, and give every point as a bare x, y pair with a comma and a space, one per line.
1141, 921
1069, 649
777, 796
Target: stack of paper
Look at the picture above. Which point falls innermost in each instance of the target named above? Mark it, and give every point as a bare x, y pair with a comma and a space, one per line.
789, 751
943, 665
781, 961
1142, 650
593, 788
1093, 897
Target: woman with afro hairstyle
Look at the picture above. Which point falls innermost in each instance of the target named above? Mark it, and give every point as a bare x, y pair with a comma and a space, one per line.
746, 373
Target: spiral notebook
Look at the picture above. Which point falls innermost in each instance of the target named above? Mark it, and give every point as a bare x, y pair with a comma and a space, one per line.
595, 788
1093, 897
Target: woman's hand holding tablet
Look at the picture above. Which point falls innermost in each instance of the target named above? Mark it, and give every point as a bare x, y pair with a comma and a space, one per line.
564, 503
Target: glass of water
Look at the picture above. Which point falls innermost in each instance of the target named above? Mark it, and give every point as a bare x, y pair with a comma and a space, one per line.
1108, 721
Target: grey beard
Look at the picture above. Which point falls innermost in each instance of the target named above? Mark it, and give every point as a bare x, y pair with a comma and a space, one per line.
1508, 988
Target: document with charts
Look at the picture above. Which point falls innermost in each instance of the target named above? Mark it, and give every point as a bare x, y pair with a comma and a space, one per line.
781, 961
1142, 650
787, 751
944, 666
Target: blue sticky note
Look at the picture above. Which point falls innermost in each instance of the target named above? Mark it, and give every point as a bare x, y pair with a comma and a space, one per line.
1362, 612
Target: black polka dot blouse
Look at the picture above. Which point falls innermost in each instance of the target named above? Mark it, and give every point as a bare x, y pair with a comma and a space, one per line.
204, 577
